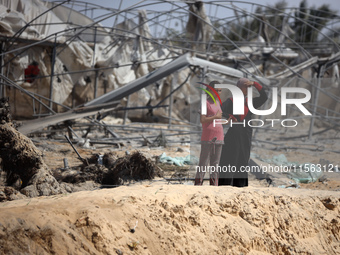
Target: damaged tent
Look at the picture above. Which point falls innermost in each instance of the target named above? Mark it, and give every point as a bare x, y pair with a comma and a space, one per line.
81, 59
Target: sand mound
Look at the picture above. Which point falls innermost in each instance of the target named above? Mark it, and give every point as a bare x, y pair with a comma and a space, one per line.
23, 164
174, 219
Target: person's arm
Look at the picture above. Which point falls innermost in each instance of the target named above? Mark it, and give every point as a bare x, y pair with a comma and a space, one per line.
205, 119
258, 101
227, 109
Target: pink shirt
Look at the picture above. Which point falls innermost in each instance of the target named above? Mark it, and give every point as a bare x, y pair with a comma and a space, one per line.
209, 131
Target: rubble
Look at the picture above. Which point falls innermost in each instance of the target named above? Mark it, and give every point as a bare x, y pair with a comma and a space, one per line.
9, 194
22, 163
5, 111
113, 171
134, 167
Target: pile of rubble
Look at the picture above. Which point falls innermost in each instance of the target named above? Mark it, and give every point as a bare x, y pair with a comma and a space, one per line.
25, 174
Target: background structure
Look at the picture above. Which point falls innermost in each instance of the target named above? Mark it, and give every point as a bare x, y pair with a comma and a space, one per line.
86, 51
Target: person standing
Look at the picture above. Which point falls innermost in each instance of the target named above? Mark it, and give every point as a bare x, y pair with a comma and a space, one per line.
31, 72
211, 140
237, 141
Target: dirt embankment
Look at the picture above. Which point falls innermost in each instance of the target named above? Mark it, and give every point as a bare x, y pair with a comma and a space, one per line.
174, 219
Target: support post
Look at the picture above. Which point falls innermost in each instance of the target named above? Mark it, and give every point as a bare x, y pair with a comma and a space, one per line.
173, 82
2, 87
96, 84
320, 75
126, 111
93, 62
52, 71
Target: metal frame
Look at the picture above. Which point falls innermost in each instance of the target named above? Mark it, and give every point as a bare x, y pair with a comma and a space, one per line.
178, 11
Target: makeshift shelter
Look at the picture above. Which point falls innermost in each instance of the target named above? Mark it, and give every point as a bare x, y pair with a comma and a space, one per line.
82, 62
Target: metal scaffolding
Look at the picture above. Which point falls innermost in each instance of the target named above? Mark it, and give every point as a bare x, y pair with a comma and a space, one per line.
95, 54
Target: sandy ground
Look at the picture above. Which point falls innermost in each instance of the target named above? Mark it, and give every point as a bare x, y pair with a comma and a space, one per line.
155, 218
172, 218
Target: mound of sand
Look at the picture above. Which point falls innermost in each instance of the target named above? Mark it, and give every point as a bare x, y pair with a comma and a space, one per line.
174, 219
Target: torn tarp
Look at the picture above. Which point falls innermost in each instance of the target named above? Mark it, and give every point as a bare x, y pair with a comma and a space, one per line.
178, 161
300, 173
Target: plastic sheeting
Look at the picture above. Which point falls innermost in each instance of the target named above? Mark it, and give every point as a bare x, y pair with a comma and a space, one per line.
300, 173
73, 56
17, 13
12, 21
178, 161
122, 59
68, 15
76, 56
199, 25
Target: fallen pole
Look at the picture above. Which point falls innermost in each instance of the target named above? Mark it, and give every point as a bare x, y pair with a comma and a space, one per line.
79, 157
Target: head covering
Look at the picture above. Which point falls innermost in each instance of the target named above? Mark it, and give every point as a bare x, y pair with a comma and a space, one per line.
213, 83
241, 82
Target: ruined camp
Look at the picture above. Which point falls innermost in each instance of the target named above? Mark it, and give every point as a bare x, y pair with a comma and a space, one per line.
101, 106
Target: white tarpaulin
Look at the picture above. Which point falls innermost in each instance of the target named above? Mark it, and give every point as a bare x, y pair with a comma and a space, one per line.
17, 13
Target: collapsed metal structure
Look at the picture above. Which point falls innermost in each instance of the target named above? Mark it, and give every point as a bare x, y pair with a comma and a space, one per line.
155, 50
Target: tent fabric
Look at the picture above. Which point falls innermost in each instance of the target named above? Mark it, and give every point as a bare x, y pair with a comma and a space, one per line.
199, 25
68, 15
20, 12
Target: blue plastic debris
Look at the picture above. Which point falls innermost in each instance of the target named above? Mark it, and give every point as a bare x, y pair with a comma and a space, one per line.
178, 161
